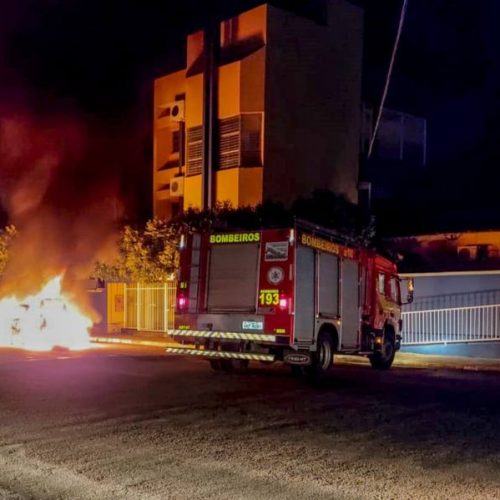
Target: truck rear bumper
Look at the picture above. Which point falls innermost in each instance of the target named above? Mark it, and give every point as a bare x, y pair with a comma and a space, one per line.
219, 335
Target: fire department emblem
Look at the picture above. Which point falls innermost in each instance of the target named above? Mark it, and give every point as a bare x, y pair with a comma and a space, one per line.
275, 275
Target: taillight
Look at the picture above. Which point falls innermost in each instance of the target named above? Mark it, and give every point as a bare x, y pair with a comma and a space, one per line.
283, 303
182, 302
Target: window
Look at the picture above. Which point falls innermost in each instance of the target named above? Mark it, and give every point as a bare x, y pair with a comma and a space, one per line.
250, 139
194, 150
482, 252
229, 142
240, 141
381, 283
175, 208
176, 142
229, 32
400, 137
394, 289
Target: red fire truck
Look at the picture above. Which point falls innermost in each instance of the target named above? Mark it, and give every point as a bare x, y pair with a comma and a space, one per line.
296, 295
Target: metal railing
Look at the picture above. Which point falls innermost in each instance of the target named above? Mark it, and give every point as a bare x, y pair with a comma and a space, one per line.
458, 300
452, 325
150, 306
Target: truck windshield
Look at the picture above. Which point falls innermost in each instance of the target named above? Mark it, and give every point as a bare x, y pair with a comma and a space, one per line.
232, 277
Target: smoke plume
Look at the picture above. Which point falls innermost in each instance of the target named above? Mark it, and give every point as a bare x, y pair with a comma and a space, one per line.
58, 186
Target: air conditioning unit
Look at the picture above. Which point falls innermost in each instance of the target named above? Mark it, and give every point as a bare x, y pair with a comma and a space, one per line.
177, 187
177, 111
173, 111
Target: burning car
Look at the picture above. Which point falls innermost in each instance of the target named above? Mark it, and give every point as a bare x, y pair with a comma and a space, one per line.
43, 321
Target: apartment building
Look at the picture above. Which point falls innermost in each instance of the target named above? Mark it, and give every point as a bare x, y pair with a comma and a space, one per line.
288, 109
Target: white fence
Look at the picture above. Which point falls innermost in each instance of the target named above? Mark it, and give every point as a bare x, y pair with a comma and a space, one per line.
150, 306
452, 325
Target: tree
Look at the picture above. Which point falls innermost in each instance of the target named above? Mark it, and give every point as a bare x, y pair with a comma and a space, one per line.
150, 254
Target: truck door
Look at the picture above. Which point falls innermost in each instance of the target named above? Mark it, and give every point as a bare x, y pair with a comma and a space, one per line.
328, 286
349, 309
304, 295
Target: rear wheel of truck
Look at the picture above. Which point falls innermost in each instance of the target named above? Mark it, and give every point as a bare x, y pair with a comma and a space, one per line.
382, 360
233, 365
321, 367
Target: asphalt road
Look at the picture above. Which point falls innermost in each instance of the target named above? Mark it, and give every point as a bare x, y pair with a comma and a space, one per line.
121, 423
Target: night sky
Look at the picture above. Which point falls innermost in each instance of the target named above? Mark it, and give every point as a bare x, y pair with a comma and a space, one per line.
95, 61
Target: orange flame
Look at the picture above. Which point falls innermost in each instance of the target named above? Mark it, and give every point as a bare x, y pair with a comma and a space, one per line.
43, 321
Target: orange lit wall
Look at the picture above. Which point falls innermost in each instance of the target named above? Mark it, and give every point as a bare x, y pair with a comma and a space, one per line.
192, 191
241, 89
462, 239
229, 90
165, 91
240, 187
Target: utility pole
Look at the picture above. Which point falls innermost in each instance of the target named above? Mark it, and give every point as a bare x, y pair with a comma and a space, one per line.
211, 45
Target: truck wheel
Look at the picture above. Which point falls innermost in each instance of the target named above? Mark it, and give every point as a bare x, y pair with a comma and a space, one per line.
233, 365
382, 360
321, 367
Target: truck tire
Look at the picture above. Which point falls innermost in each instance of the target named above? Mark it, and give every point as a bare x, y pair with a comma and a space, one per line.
321, 367
382, 360
233, 365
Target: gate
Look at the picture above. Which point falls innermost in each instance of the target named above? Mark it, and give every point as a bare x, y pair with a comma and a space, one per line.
150, 306
452, 325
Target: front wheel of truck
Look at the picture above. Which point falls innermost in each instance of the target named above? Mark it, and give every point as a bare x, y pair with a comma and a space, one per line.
383, 359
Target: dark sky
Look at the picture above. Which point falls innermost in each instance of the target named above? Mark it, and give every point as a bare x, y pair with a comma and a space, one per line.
96, 60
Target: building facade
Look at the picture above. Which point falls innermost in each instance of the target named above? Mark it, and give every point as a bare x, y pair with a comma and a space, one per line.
288, 111
457, 289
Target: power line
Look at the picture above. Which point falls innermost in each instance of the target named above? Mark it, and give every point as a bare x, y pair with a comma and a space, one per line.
388, 77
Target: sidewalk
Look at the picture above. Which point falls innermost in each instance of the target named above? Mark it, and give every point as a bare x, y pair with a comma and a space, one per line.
403, 359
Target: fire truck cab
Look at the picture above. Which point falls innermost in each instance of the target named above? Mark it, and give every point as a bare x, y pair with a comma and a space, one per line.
296, 295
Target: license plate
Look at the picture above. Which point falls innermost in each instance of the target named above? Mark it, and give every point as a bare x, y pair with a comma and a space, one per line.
253, 325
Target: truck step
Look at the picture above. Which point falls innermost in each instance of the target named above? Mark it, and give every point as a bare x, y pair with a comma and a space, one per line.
220, 354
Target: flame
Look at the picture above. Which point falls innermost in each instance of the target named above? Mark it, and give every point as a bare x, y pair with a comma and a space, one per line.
43, 321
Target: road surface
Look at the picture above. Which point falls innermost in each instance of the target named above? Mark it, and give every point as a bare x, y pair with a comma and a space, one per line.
131, 423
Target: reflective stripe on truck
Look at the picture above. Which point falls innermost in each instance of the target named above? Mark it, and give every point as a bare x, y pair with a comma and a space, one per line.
208, 334
220, 354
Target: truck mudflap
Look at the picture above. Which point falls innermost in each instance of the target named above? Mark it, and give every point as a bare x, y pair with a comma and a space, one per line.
209, 334
201, 353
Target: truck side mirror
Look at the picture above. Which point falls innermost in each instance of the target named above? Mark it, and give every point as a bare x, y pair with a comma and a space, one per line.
411, 287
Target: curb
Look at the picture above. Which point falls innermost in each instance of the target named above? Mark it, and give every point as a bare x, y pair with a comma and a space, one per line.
407, 360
